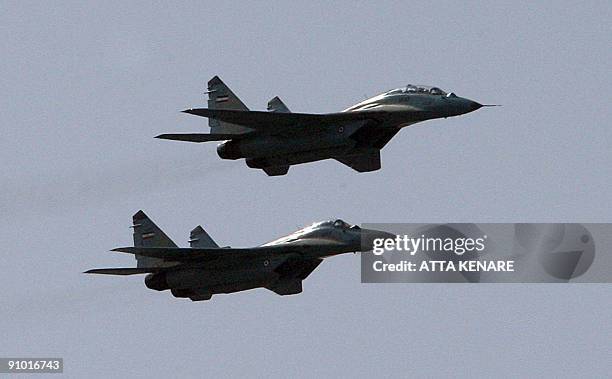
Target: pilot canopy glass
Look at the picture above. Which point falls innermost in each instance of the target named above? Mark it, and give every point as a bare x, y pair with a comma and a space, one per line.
416, 89
335, 223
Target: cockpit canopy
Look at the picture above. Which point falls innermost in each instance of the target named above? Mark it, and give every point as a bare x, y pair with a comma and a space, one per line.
341, 224
416, 89
335, 223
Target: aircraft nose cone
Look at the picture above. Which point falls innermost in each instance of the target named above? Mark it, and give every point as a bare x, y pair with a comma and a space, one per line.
474, 106
369, 235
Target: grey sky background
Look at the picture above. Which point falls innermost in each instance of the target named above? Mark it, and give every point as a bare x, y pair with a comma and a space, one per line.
85, 87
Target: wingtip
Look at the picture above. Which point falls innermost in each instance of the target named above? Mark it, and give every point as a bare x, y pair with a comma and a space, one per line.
93, 271
126, 249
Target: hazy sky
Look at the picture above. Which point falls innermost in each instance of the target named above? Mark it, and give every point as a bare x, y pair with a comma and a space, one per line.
85, 87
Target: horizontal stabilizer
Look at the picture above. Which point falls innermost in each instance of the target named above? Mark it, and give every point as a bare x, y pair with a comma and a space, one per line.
123, 271
201, 137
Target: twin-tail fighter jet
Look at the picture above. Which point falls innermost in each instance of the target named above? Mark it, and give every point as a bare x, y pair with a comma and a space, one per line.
204, 269
276, 139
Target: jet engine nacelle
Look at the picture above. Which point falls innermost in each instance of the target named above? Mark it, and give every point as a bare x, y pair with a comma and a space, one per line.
229, 150
156, 282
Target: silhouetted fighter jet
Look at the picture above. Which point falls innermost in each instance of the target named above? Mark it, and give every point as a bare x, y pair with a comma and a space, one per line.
204, 269
276, 139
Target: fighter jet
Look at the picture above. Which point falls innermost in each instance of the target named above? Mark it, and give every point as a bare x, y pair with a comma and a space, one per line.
204, 268
276, 139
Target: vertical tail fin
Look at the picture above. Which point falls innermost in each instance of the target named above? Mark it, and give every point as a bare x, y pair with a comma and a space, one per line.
147, 234
199, 238
220, 96
277, 105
